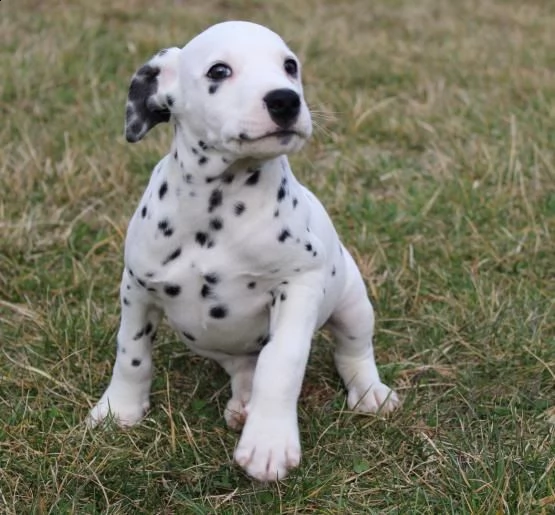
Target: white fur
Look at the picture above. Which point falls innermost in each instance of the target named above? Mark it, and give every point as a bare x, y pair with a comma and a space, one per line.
274, 266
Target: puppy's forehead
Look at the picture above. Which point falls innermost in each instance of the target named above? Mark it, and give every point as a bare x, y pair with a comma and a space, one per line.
229, 38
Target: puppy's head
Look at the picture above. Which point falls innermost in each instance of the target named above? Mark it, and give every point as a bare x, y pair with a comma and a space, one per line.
236, 86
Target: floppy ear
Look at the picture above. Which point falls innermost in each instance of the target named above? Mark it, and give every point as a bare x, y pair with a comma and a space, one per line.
152, 94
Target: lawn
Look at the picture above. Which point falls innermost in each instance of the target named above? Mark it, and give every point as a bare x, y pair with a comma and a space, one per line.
435, 155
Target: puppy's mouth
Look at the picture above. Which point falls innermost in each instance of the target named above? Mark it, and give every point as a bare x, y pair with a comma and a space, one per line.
283, 135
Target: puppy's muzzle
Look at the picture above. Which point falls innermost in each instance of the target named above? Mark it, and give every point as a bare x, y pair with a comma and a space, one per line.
284, 106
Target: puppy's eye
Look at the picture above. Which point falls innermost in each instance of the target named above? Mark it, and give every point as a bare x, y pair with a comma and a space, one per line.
219, 71
291, 68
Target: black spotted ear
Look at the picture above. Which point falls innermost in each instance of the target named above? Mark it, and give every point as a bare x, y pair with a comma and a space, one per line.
152, 94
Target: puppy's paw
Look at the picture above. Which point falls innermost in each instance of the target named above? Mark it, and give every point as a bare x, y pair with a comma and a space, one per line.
269, 447
235, 414
121, 410
374, 398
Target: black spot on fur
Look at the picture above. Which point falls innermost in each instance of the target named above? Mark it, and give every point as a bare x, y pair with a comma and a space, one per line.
175, 155
213, 88
253, 177
188, 178
169, 100
143, 211
219, 311
215, 200
283, 297
174, 255
163, 190
216, 223
282, 191
239, 208
126, 301
136, 362
283, 235
333, 271
131, 273
194, 150
212, 278
201, 238
251, 285
202, 160
164, 226
206, 291
173, 290
297, 270
150, 274
141, 283
202, 145
189, 336
295, 202
314, 254
308, 247
276, 213
148, 328
139, 335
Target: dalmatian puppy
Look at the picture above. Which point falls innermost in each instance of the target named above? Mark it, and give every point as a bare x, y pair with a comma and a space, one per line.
242, 260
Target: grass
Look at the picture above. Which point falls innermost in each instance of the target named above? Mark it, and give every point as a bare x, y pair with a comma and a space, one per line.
434, 155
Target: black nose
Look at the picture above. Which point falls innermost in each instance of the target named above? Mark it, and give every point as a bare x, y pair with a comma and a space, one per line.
284, 106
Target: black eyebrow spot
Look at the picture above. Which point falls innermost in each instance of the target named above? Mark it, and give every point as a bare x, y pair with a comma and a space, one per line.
283, 235
136, 362
173, 290
213, 88
251, 285
239, 208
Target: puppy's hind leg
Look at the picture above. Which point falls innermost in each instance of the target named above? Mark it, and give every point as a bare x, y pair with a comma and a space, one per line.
127, 397
352, 324
241, 370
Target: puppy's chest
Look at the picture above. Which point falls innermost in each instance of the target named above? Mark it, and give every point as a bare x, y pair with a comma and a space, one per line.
216, 266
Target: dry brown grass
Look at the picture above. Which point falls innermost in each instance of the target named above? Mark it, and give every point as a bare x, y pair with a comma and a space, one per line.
435, 157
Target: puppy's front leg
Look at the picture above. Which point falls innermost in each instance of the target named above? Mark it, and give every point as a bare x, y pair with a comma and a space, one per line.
269, 446
127, 396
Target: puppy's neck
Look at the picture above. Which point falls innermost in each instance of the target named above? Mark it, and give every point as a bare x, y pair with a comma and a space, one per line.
200, 163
